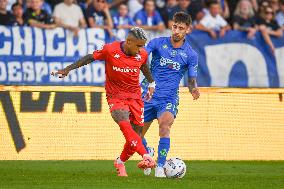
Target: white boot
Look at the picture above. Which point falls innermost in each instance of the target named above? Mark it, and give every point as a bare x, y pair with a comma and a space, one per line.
160, 172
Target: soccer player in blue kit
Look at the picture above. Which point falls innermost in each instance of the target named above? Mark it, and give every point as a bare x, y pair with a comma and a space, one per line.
171, 58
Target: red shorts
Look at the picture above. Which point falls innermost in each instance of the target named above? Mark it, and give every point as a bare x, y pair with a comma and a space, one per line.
134, 106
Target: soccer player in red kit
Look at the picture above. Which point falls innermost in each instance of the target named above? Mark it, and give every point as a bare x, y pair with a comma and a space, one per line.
124, 60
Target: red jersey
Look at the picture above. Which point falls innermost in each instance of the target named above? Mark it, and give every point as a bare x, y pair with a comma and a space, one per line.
122, 71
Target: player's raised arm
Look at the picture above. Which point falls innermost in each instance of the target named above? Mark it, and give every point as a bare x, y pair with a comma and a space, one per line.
81, 62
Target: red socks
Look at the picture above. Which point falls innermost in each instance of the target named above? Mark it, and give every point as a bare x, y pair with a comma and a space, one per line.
127, 152
133, 141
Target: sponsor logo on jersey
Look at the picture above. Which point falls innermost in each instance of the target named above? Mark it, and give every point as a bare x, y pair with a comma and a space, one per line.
125, 70
165, 46
169, 63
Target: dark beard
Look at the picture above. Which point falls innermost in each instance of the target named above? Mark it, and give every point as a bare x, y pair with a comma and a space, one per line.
177, 39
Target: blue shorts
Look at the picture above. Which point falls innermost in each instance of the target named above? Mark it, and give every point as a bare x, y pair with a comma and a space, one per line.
154, 109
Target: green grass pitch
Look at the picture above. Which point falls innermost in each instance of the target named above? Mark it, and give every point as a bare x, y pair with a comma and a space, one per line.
101, 175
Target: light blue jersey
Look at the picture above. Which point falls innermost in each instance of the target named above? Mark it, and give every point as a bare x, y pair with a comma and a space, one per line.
168, 66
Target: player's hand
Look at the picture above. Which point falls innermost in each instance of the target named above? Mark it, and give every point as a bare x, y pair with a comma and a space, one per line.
105, 7
195, 93
213, 34
251, 33
272, 49
222, 32
60, 73
149, 94
75, 31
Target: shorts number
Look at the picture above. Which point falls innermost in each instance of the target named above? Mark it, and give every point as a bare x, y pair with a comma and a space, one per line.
170, 106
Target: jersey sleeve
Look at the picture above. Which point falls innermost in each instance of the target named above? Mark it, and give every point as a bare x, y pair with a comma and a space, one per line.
222, 21
48, 18
275, 25
89, 13
193, 65
80, 13
131, 21
56, 12
158, 18
138, 16
151, 46
204, 21
115, 21
100, 54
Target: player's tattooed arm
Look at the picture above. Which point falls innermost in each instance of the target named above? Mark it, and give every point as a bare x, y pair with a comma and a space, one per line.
81, 62
151, 88
193, 89
147, 73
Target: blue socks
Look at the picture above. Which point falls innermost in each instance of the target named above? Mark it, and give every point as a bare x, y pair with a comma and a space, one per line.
145, 144
163, 149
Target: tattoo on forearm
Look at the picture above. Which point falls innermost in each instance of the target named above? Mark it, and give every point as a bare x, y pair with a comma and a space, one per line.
192, 84
81, 62
147, 73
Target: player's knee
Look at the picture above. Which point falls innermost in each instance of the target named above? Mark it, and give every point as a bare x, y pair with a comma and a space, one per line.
164, 131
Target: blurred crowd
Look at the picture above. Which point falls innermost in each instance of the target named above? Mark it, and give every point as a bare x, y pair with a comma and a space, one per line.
215, 17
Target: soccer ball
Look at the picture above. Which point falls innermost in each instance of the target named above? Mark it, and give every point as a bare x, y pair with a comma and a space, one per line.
175, 168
